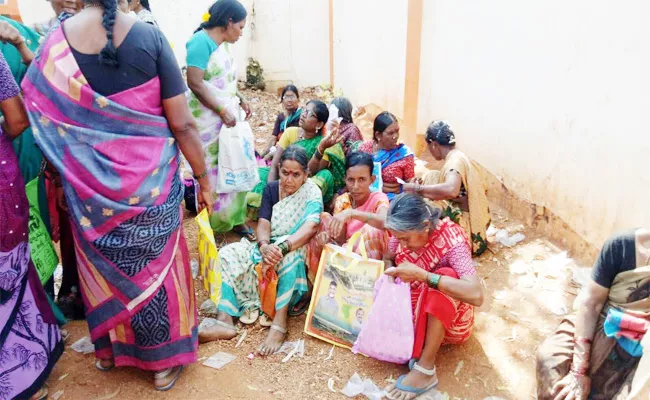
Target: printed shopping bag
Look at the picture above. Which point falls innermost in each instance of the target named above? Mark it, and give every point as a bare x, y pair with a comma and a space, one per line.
237, 163
343, 293
388, 335
268, 289
42, 250
209, 264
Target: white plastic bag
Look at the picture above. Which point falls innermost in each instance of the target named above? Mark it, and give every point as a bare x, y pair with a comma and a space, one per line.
237, 164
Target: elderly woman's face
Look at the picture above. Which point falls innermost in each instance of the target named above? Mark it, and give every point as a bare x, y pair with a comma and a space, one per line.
434, 150
412, 240
292, 177
389, 138
290, 101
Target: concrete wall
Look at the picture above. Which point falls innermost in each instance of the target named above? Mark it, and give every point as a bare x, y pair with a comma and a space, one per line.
550, 96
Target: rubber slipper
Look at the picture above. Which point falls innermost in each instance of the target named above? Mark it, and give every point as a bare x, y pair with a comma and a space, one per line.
249, 316
40, 395
98, 365
266, 321
409, 389
165, 373
247, 233
303, 306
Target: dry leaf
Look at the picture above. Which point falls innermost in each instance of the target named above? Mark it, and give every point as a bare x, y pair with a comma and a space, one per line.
62, 377
330, 385
57, 395
241, 338
459, 367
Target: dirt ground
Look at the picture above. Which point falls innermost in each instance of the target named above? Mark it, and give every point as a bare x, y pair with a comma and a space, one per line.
528, 288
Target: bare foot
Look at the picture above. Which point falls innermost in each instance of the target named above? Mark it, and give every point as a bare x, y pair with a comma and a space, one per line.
273, 341
224, 330
413, 379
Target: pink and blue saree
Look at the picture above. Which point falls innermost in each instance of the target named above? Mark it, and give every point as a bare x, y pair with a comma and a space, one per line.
119, 167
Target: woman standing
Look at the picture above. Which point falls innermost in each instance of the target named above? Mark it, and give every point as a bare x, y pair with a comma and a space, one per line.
435, 258
288, 219
290, 100
215, 101
142, 11
112, 122
457, 187
30, 341
396, 159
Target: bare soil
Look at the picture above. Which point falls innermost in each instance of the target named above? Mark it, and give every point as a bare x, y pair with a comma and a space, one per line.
520, 310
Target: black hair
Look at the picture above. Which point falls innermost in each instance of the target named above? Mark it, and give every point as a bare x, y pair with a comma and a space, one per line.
334, 283
297, 154
356, 159
108, 55
145, 4
441, 133
383, 121
409, 212
321, 111
289, 88
222, 12
345, 109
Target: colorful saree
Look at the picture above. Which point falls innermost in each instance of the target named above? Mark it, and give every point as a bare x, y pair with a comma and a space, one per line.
30, 341
375, 240
614, 372
119, 167
476, 220
396, 163
329, 180
239, 290
447, 253
221, 77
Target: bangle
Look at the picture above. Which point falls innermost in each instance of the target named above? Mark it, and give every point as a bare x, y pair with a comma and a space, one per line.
285, 247
318, 154
433, 281
201, 176
262, 243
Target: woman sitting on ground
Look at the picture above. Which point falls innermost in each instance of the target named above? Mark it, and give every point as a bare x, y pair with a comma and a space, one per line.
288, 219
396, 159
457, 188
327, 162
435, 257
290, 100
589, 355
358, 210
350, 133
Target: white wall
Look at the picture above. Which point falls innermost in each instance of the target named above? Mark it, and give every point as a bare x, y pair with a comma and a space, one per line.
550, 96
370, 51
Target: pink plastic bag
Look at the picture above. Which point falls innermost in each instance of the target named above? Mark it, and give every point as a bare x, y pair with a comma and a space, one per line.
388, 334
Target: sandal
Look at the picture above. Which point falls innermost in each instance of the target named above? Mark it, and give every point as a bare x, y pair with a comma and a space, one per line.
247, 233
99, 366
249, 316
165, 374
266, 321
417, 391
300, 308
40, 395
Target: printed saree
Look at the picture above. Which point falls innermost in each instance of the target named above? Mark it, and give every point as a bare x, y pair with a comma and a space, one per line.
396, 163
476, 220
119, 167
239, 290
457, 317
614, 373
221, 76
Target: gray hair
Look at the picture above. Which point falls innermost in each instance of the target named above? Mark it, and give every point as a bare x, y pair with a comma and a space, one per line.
409, 212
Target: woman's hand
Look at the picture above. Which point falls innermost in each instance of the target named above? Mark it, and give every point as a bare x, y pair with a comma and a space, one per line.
333, 138
575, 387
228, 118
247, 109
9, 34
322, 238
337, 224
271, 254
205, 200
410, 188
408, 272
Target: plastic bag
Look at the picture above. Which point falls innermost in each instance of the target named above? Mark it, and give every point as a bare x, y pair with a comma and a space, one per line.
388, 335
42, 250
268, 288
209, 264
378, 185
237, 163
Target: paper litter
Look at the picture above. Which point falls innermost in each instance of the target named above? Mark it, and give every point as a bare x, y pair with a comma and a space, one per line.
291, 349
459, 367
367, 387
329, 357
241, 338
57, 395
219, 360
519, 268
330, 385
503, 237
194, 265
83, 345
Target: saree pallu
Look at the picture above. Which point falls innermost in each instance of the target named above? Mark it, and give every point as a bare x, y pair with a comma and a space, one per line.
375, 240
328, 181
239, 290
457, 317
119, 167
221, 77
614, 373
396, 163
30, 341
476, 220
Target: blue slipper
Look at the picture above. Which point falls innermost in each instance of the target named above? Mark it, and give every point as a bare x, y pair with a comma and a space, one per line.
415, 391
